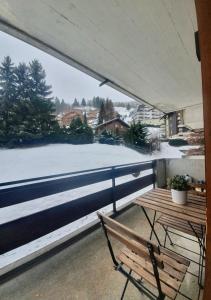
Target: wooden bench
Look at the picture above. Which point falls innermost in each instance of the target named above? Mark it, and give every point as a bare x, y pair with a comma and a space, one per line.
161, 268
180, 225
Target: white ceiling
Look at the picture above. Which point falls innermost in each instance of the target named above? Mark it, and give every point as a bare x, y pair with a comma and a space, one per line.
145, 48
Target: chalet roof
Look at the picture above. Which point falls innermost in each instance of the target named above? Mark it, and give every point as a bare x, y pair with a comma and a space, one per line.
113, 121
145, 49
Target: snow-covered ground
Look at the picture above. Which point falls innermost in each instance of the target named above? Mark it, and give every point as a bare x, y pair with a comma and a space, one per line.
54, 159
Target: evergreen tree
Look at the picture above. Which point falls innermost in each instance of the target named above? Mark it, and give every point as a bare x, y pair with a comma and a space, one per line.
128, 106
62, 108
79, 132
102, 114
57, 105
75, 103
109, 110
83, 102
38, 86
43, 108
137, 135
7, 80
22, 81
25, 107
7, 95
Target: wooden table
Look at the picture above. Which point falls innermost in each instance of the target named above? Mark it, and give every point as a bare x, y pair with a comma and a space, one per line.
160, 200
193, 213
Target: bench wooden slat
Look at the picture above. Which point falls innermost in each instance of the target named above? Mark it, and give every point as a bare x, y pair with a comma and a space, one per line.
179, 225
139, 270
133, 245
179, 221
127, 231
171, 267
180, 259
163, 274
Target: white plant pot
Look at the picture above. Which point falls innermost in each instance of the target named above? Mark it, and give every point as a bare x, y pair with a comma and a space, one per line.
179, 197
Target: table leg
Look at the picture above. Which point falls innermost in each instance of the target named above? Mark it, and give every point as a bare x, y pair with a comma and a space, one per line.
167, 235
194, 231
151, 225
201, 253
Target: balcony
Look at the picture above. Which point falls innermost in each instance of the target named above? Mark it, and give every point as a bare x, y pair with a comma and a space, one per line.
79, 266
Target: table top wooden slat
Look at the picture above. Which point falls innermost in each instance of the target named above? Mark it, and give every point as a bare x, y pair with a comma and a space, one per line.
191, 197
167, 202
196, 206
160, 200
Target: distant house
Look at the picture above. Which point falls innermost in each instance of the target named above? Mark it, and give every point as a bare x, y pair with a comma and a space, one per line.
91, 116
115, 126
67, 118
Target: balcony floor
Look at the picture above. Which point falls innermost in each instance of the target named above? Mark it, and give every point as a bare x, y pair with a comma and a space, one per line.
84, 271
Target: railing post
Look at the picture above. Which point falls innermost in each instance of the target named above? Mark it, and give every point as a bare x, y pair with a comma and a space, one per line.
113, 189
154, 164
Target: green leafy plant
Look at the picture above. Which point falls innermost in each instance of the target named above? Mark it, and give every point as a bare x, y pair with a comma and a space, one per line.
179, 183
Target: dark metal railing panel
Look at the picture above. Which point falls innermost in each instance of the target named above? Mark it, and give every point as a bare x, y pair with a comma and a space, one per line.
26, 229
130, 187
132, 169
18, 194
7, 183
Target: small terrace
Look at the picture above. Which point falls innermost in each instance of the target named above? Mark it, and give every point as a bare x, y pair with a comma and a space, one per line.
79, 266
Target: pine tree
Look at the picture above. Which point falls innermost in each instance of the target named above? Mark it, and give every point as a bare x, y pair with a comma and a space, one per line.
43, 108
22, 81
109, 110
62, 107
38, 86
79, 132
57, 105
7, 80
75, 103
102, 114
128, 106
7, 95
83, 102
137, 135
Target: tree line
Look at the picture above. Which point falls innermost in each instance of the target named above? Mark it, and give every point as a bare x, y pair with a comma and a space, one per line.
62, 107
27, 112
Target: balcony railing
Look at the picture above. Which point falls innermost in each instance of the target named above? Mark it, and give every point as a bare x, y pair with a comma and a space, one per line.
23, 230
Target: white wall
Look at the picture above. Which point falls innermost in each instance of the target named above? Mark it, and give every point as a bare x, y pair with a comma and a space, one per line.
193, 116
167, 168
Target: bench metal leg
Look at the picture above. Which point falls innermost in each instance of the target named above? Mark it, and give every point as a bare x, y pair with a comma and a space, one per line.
125, 287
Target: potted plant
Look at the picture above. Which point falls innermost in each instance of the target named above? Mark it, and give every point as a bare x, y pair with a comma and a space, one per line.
179, 186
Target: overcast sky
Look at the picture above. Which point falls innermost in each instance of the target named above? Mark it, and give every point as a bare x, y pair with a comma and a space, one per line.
67, 82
